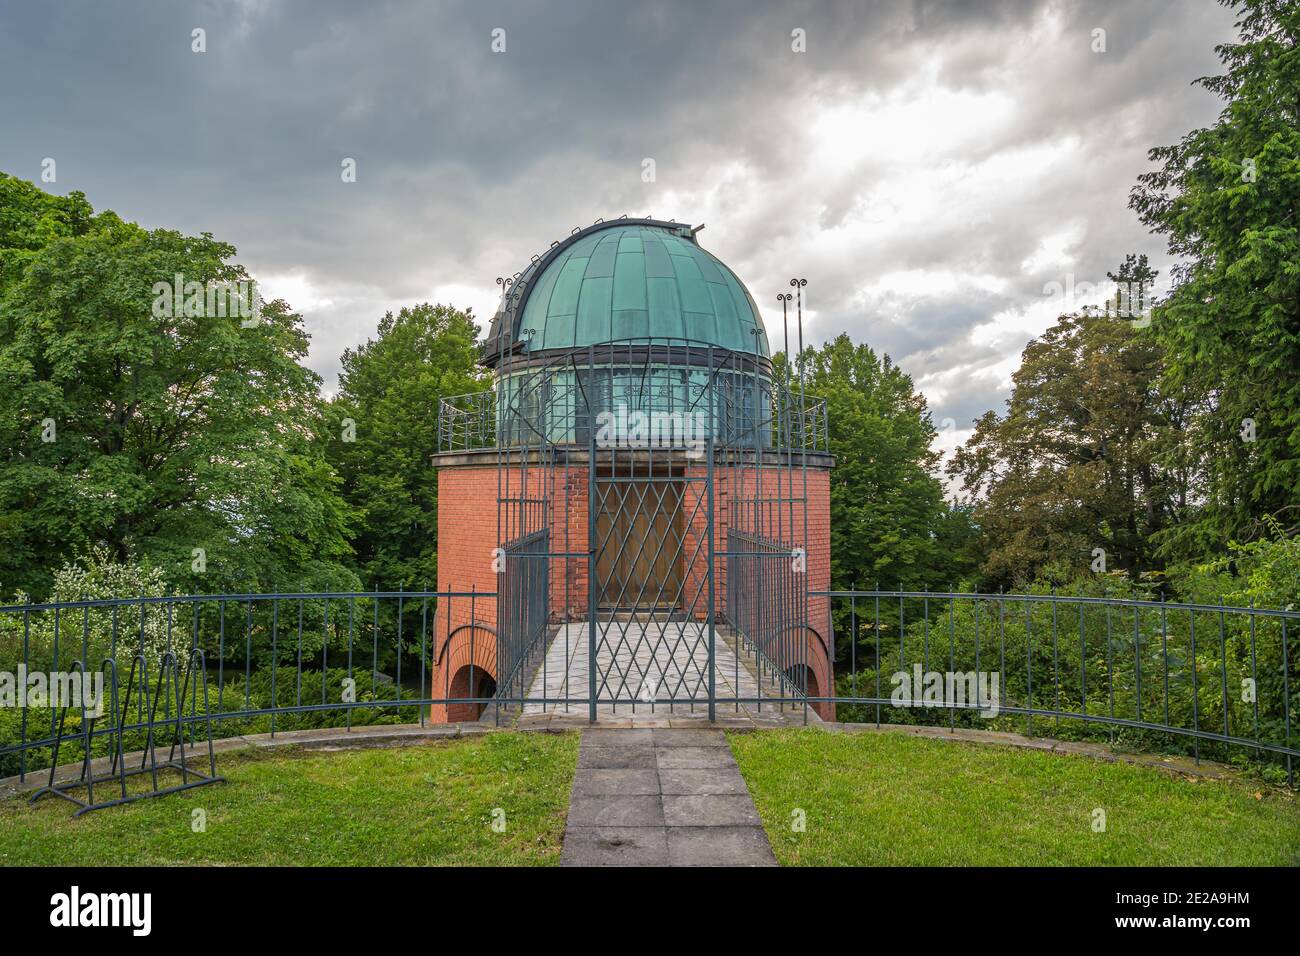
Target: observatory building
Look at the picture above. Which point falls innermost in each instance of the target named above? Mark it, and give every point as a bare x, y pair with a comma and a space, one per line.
634, 518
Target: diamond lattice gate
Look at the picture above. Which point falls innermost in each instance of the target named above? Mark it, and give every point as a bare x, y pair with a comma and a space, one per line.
651, 625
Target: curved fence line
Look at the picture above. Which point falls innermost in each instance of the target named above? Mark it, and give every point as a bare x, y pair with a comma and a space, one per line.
237, 598
1206, 679
557, 400
994, 597
1141, 670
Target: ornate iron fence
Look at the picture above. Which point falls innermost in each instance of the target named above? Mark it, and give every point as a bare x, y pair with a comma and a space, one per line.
467, 422
523, 613
767, 605
559, 402
1212, 680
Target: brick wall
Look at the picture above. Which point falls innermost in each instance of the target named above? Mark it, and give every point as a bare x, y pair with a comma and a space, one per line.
467, 534
463, 627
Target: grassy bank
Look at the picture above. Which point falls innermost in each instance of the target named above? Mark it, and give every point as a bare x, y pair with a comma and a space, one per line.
894, 799
420, 805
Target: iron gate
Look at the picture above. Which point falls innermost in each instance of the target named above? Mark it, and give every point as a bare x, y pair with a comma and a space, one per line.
651, 599
629, 609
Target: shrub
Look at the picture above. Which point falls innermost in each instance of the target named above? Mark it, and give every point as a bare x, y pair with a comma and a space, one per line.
52, 640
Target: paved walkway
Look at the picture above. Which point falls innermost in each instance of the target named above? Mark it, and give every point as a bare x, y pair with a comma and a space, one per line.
641, 663
661, 797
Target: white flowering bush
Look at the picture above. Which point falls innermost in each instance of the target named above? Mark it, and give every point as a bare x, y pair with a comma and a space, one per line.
92, 634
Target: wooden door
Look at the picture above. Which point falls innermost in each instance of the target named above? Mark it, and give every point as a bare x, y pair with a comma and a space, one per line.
639, 537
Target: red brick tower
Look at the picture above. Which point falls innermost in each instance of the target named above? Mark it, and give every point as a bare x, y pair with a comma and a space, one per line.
636, 426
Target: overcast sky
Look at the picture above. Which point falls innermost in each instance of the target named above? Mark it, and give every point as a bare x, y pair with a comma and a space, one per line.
927, 167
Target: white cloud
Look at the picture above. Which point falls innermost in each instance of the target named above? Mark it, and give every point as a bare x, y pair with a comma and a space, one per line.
928, 168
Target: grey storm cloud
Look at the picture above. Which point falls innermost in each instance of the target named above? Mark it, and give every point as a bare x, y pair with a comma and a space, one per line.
927, 166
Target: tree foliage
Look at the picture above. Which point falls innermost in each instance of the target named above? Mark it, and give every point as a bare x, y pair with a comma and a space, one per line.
1073, 464
889, 522
389, 388
187, 439
1168, 445
1227, 198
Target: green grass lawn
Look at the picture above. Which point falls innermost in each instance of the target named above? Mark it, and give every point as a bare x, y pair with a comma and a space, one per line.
894, 799
423, 805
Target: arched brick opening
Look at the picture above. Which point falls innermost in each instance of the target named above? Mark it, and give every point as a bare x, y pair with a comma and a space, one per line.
815, 678
466, 666
804, 679
470, 682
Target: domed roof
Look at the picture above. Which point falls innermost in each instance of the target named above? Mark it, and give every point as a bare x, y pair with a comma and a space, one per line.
627, 279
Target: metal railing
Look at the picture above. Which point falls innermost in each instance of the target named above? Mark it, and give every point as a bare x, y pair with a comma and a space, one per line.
1208, 679
467, 422
272, 662
523, 613
766, 603
561, 402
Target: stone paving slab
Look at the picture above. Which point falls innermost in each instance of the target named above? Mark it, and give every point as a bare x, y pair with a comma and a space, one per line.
719, 846
710, 810
605, 782
617, 758
693, 758
615, 846
635, 810
714, 780
689, 738
661, 797
617, 737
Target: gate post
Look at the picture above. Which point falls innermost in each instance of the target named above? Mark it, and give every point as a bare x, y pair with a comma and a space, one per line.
592, 602
708, 481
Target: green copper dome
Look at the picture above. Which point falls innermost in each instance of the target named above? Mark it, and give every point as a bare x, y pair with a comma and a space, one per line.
629, 279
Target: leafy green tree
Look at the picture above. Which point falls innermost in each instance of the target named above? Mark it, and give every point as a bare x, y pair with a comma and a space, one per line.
1072, 465
1227, 198
889, 521
152, 426
385, 420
